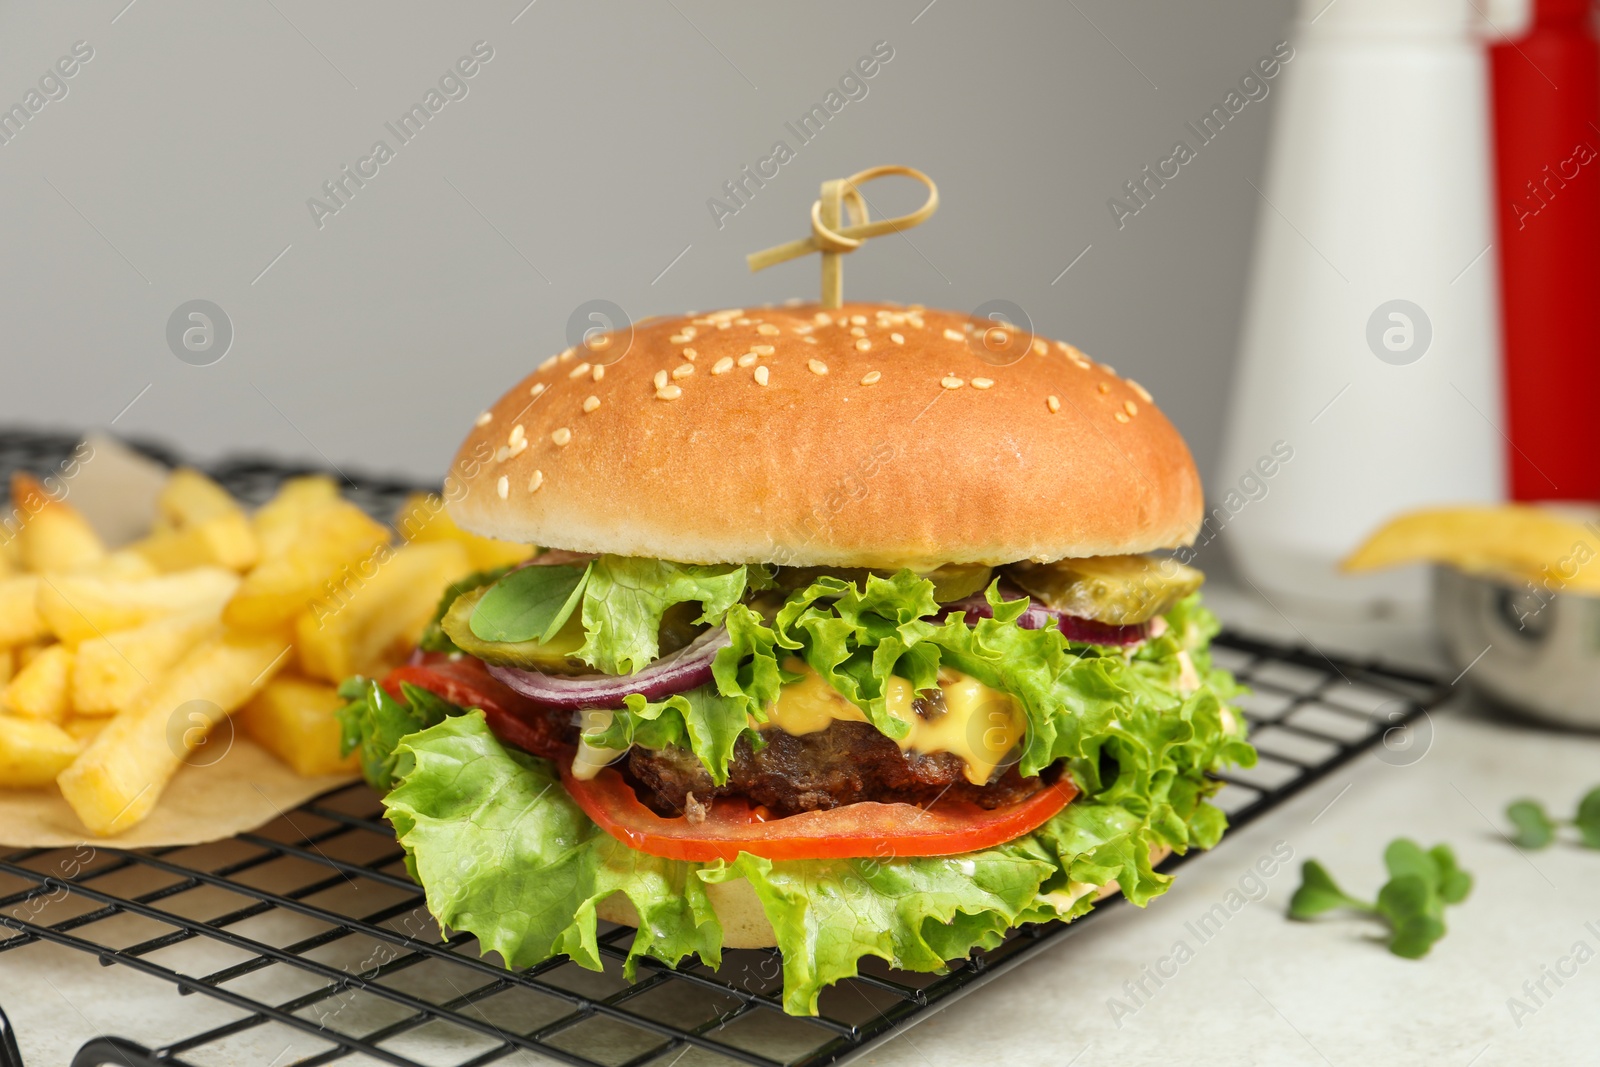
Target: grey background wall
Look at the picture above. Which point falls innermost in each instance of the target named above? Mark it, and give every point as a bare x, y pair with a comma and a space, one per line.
576, 163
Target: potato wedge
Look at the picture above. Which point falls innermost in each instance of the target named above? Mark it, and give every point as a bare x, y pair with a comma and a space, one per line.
199, 524
33, 752
1516, 541
423, 518
333, 537
8, 665
118, 778
53, 536
109, 672
77, 607
365, 620
20, 621
279, 520
84, 729
40, 690
293, 719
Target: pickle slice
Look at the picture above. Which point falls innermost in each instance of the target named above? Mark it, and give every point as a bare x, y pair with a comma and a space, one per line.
1121, 590
957, 581
553, 655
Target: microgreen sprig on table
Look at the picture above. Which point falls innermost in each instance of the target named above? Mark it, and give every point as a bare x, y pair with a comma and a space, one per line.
1412, 901
1536, 829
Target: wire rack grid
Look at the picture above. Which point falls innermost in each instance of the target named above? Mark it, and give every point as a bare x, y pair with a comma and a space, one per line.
306, 942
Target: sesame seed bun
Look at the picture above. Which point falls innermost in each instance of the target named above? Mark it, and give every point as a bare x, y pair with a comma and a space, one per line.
744, 921
816, 438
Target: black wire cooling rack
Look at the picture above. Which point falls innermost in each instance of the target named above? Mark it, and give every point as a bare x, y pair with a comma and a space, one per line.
310, 944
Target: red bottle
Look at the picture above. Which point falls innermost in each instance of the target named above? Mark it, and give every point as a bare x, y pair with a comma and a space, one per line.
1547, 169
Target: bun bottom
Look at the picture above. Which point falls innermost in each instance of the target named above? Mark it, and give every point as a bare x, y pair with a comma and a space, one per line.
744, 923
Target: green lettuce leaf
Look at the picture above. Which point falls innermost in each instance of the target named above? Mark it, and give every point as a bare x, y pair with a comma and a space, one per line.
502, 851
625, 599
374, 722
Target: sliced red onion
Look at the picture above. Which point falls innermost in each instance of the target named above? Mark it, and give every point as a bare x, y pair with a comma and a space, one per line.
1036, 616
687, 668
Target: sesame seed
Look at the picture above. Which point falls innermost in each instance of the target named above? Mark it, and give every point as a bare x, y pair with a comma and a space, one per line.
682, 370
1144, 394
953, 335
668, 392
762, 350
547, 364
518, 448
809, 340
503, 487
747, 359
858, 331
1064, 347
872, 377
483, 420
562, 437
595, 344
536, 389
679, 338
858, 320
766, 329
660, 379
1130, 407
723, 365
1109, 369
743, 321
1039, 347
501, 453
724, 324
1121, 416
568, 354
1053, 403
982, 383
822, 318
517, 434
580, 370
590, 403
897, 338
690, 354
599, 371
916, 320
536, 481
1105, 387
817, 366
761, 375
950, 381
863, 345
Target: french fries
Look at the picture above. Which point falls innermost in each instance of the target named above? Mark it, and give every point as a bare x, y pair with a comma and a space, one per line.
39, 691
358, 627
328, 538
54, 536
117, 664
77, 607
33, 751
293, 719
1512, 540
110, 671
199, 524
117, 779
422, 519
20, 621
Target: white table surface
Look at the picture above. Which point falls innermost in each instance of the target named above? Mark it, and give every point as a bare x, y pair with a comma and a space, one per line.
1262, 990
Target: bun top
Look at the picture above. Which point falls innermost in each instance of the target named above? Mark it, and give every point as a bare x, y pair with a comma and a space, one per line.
871, 435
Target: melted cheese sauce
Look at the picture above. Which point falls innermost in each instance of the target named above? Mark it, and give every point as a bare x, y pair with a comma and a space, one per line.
980, 725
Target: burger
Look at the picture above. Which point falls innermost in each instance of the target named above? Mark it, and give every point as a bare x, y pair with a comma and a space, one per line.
853, 632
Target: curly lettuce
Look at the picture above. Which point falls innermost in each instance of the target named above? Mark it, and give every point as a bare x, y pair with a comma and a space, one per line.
503, 852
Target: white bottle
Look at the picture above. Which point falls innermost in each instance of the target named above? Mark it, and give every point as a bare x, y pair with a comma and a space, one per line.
1370, 342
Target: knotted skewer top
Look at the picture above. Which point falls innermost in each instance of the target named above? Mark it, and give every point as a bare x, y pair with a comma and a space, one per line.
833, 240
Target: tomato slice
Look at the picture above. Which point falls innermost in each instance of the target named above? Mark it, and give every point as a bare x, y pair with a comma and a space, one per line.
868, 828
466, 682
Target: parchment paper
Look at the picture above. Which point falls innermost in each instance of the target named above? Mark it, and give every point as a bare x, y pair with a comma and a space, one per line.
243, 789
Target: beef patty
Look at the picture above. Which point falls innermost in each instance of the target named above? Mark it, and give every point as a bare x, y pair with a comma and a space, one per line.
843, 764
